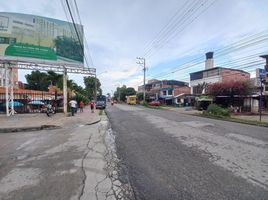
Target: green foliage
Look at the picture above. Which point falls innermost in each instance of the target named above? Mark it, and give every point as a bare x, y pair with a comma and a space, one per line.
218, 111
90, 87
79, 97
123, 92
140, 96
41, 81
37, 81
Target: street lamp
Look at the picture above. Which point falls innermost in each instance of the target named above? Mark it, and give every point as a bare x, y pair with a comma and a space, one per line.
96, 83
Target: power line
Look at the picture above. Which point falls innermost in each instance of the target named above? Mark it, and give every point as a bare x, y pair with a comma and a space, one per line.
76, 29
239, 67
86, 43
172, 20
185, 21
241, 44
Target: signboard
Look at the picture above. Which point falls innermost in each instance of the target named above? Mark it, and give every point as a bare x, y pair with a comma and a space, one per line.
260, 75
34, 37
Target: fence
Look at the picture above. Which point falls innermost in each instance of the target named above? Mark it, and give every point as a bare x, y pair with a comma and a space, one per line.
32, 101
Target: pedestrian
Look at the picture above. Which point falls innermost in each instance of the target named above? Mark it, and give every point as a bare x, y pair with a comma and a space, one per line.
92, 106
81, 106
73, 105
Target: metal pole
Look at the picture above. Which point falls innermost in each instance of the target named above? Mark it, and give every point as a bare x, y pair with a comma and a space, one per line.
65, 103
11, 92
144, 69
2, 76
6, 86
260, 103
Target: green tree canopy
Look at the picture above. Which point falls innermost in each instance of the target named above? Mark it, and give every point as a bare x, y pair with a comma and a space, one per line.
90, 82
37, 81
123, 92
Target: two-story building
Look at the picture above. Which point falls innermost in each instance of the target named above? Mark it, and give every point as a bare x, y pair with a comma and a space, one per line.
165, 90
199, 80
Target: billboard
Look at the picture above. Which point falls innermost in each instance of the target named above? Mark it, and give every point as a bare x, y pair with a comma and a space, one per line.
35, 37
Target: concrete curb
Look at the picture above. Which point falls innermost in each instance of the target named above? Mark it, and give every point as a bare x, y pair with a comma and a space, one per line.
38, 128
94, 122
26, 129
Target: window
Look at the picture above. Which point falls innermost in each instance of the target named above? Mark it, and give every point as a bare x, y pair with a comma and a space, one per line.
169, 92
164, 93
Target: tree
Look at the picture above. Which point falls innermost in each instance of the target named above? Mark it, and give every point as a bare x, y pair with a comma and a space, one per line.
230, 88
140, 96
123, 91
56, 79
90, 86
130, 91
37, 81
42, 80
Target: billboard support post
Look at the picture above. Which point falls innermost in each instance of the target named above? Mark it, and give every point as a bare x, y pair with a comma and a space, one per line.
65, 92
9, 90
6, 85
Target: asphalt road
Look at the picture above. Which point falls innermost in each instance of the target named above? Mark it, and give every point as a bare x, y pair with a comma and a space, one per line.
66, 163
166, 155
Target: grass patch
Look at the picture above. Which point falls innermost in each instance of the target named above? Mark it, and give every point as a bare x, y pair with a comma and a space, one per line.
230, 119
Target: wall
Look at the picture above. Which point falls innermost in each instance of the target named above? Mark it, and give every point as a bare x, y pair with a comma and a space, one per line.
181, 90
230, 75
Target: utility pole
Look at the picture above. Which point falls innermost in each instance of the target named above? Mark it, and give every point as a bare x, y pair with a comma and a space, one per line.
262, 80
141, 61
95, 87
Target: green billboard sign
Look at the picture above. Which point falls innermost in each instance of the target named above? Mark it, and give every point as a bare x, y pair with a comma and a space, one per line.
36, 37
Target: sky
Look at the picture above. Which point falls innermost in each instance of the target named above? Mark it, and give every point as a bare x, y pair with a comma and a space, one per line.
168, 33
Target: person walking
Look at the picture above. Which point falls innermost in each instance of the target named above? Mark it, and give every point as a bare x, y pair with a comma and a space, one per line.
81, 106
73, 104
92, 106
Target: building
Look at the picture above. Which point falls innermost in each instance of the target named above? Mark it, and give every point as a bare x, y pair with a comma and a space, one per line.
165, 90
199, 80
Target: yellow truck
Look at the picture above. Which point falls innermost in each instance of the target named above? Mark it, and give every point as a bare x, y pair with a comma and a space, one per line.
131, 100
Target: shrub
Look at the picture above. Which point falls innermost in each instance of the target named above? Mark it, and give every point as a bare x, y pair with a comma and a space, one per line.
218, 111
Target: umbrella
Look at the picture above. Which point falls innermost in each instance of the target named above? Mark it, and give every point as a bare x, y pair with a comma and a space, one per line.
16, 104
36, 102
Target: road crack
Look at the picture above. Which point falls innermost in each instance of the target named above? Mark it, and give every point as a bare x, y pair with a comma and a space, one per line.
83, 169
117, 189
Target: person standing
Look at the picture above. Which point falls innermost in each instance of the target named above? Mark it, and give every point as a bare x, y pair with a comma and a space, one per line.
92, 106
73, 104
81, 106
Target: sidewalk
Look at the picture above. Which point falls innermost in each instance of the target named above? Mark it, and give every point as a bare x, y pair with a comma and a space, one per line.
256, 117
191, 111
184, 110
37, 121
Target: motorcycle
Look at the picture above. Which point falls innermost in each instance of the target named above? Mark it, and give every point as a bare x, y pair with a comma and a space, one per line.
50, 110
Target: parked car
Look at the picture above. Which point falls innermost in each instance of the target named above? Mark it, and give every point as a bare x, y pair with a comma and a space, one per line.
154, 103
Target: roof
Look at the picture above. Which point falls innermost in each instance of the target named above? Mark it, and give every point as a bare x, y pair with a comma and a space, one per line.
220, 68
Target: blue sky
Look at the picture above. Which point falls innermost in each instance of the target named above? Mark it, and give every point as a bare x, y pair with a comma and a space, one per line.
117, 32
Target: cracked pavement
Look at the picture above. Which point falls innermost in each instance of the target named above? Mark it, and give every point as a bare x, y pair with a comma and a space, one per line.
168, 155
75, 162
